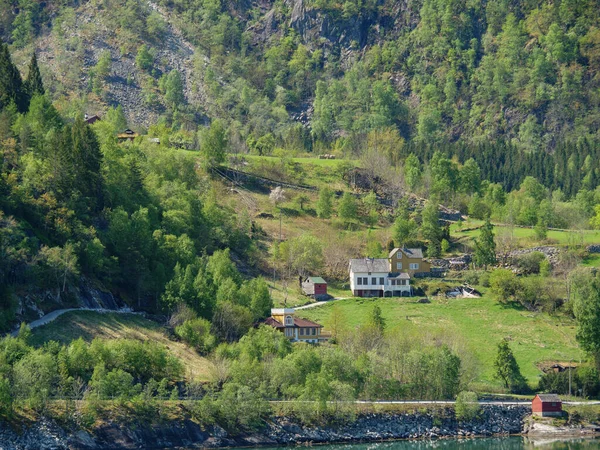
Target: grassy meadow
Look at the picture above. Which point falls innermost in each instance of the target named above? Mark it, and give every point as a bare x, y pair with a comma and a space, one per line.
476, 324
525, 237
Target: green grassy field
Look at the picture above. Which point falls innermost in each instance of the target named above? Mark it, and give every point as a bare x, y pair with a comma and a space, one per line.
592, 260
478, 323
89, 325
305, 160
526, 236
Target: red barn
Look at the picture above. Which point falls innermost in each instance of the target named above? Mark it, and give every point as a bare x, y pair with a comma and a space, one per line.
315, 287
546, 405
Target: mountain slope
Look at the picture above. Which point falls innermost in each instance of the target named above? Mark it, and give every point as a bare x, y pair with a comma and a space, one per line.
434, 71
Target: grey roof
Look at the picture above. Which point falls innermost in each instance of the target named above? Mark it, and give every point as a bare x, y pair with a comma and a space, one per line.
409, 252
549, 398
369, 265
400, 276
317, 280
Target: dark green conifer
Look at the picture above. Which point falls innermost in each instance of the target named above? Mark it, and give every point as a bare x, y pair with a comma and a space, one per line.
34, 81
11, 83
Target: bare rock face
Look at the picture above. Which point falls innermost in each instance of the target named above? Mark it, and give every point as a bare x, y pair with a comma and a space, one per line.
123, 86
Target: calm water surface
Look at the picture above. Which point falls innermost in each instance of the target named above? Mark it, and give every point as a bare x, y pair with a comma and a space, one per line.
510, 443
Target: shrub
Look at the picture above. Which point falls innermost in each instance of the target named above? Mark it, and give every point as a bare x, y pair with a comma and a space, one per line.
196, 332
467, 406
530, 262
114, 384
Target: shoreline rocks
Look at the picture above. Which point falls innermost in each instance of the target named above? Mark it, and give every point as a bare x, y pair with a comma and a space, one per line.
46, 434
494, 420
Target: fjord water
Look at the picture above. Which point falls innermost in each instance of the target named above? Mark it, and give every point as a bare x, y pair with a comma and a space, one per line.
509, 443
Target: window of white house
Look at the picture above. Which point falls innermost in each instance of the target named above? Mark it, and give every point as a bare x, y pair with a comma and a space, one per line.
373, 281
365, 280
289, 320
414, 265
359, 280
398, 266
381, 281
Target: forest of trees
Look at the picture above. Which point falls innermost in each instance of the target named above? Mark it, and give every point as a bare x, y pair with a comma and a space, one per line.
76, 203
503, 82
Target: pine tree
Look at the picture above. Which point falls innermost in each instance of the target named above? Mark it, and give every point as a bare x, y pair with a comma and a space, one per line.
376, 319
325, 203
507, 368
485, 247
430, 228
347, 209
11, 83
34, 84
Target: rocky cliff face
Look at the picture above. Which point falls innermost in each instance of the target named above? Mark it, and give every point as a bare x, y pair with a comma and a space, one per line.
67, 58
33, 304
46, 435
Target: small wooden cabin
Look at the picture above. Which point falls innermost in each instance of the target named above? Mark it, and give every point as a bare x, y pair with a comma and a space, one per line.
90, 120
127, 135
314, 287
546, 405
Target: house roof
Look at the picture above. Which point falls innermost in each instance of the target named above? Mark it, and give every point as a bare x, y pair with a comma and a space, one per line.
298, 323
549, 398
400, 276
91, 119
303, 323
370, 265
318, 280
274, 323
409, 252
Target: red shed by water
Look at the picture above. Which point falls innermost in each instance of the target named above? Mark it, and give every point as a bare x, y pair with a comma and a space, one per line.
546, 405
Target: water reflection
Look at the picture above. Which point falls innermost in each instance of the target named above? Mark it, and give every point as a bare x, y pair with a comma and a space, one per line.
510, 443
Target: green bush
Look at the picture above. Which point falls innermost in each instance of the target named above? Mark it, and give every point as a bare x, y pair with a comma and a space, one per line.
196, 332
530, 262
467, 406
114, 384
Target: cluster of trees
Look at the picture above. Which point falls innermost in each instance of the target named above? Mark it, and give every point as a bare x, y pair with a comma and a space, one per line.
499, 79
212, 288
74, 202
103, 369
530, 203
366, 363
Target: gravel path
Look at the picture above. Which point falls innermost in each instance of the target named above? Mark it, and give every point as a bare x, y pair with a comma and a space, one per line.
315, 304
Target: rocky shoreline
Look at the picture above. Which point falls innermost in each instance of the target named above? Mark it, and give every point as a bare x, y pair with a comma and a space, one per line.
279, 431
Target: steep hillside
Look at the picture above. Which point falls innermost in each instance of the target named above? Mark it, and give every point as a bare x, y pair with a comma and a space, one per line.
312, 75
71, 53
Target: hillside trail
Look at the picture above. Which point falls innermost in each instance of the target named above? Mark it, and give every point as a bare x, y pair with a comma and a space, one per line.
51, 316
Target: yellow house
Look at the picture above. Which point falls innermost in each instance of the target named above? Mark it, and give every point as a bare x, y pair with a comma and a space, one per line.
408, 260
296, 329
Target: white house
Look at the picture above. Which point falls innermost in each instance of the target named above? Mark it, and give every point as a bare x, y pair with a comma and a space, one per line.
371, 277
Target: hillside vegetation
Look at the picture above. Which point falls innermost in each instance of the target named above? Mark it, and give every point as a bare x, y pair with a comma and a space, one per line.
471, 326
465, 129
312, 75
89, 325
